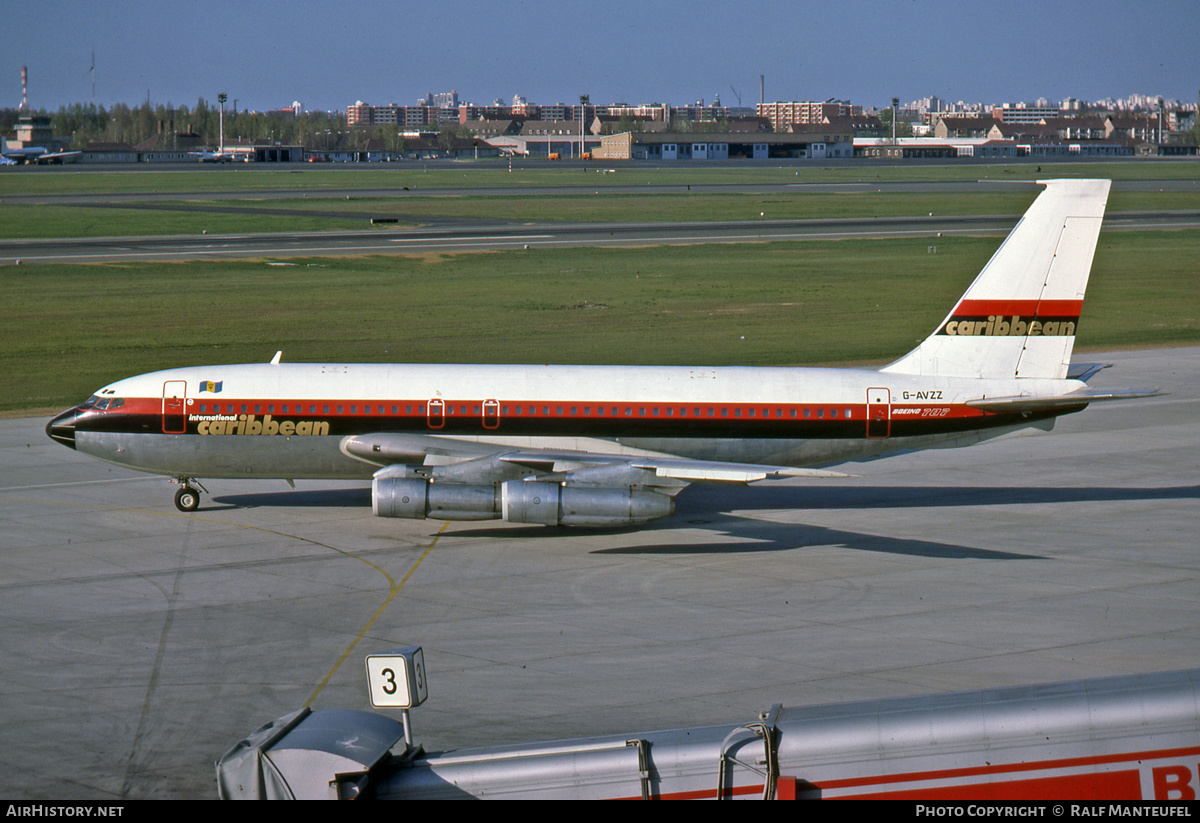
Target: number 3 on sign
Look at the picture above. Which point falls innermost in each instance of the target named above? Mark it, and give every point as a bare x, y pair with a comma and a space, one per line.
396, 679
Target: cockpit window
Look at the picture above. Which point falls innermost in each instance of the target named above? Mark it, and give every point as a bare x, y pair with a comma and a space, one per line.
103, 403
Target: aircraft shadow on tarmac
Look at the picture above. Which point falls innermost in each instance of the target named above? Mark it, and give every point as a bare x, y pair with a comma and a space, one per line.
712, 509
761, 497
916, 497
300, 499
747, 536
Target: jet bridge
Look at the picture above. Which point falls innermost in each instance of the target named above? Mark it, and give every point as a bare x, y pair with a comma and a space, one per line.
1123, 738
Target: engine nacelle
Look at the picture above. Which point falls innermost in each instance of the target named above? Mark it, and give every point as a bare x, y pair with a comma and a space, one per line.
397, 492
417, 498
551, 504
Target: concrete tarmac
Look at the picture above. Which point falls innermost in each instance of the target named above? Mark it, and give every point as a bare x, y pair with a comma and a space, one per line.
137, 643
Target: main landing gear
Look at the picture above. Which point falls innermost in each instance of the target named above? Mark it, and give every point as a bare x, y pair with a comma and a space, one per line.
187, 499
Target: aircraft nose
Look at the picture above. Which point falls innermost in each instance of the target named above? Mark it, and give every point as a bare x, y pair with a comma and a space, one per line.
61, 428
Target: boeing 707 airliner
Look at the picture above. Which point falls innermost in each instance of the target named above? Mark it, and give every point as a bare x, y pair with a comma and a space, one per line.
614, 445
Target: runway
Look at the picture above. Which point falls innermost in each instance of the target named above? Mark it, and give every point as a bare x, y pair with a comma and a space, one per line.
497, 236
140, 643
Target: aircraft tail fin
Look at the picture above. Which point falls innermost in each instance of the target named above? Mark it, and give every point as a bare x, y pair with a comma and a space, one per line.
1019, 317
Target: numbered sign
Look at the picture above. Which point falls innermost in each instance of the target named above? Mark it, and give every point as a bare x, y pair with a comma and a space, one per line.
396, 679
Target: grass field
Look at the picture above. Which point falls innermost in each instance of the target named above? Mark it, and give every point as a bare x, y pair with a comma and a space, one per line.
70, 329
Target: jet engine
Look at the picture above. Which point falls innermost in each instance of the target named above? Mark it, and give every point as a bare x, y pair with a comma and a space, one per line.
517, 501
417, 498
552, 504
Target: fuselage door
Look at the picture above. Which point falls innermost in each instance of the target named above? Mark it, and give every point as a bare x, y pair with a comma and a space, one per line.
491, 414
435, 414
879, 412
174, 407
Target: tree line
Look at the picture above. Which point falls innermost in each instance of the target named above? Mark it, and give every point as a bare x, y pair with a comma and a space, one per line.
183, 126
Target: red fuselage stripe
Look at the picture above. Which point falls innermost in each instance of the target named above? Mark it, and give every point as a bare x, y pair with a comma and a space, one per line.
558, 409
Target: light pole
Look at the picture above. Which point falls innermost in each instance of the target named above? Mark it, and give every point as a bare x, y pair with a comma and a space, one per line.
221, 98
584, 100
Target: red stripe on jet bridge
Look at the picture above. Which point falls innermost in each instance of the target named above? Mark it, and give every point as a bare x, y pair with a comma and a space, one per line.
1120, 785
994, 771
1124, 784
1024, 308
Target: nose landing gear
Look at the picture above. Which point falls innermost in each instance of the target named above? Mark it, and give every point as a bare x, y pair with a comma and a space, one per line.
187, 499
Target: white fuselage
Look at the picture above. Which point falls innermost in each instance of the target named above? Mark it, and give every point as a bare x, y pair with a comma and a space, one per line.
287, 420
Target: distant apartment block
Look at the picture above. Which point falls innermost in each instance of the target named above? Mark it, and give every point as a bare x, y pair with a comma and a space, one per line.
652, 111
403, 117
783, 115
444, 100
1018, 113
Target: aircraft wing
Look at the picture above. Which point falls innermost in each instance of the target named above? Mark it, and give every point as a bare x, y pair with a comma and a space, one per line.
58, 158
479, 461
664, 466
23, 155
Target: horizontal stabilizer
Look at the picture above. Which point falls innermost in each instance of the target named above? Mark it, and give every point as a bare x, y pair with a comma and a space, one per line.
1084, 372
1080, 398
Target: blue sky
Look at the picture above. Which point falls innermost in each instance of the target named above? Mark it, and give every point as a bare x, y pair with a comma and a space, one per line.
330, 54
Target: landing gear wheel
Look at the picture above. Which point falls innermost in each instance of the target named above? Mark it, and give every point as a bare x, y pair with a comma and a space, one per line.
187, 499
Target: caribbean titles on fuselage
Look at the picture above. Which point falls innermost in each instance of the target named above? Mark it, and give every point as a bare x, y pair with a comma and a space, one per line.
250, 424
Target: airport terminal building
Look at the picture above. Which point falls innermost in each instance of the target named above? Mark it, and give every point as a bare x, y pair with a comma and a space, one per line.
812, 143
